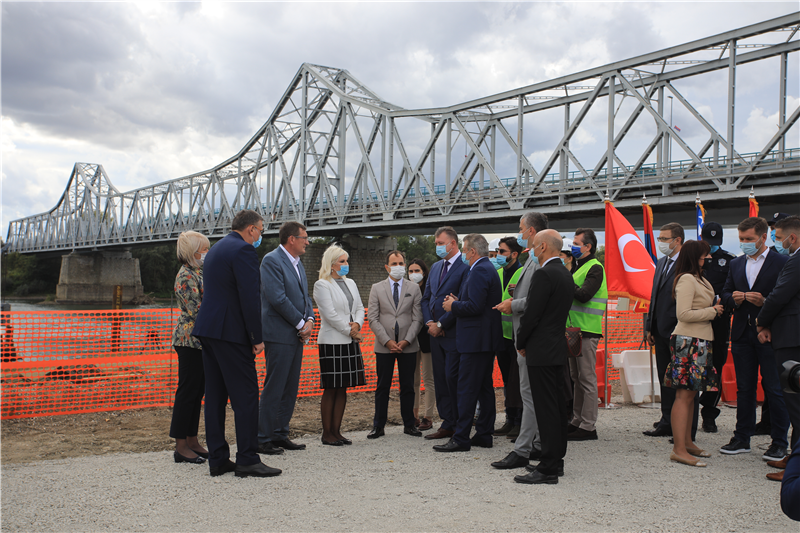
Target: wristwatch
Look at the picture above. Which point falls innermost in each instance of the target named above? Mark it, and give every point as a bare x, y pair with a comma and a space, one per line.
439, 325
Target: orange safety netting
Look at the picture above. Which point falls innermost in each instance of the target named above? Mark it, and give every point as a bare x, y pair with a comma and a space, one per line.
65, 362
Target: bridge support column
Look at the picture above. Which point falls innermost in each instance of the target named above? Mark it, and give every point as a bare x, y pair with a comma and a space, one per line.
91, 278
367, 258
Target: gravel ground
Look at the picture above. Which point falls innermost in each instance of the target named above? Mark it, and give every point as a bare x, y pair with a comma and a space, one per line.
622, 482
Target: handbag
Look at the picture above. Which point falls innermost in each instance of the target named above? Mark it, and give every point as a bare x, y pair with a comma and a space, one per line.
574, 340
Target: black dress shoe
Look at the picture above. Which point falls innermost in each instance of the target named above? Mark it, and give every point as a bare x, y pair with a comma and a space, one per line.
411, 430
504, 429
269, 448
512, 460
286, 444
481, 443
535, 455
334, 443
183, 459
660, 431
709, 426
224, 468
532, 468
571, 428
375, 433
763, 429
582, 434
536, 478
450, 446
256, 470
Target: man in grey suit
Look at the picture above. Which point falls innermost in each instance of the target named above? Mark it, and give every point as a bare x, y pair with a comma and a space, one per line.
395, 317
528, 444
288, 316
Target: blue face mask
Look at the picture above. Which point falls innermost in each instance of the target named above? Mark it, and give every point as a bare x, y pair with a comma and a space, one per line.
772, 235
343, 270
257, 243
714, 249
464, 258
501, 260
562, 261
749, 248
522, 242
494, 262
533, 256
576, 252
441, 251
779, 247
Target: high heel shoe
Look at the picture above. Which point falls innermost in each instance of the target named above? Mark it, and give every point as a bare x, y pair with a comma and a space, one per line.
183, 459
697, 452
688, 462
334, 443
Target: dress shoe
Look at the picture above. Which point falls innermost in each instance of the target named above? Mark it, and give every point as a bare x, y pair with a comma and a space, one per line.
532, 468
450, 446
504, 429
780, 465
512, 460
656, 423
763, 429
571, 428
375, 433
535, 454
224, 468
776, 476
345, 441
425, 424
514, 433
582, 434
440, 433
183, 459
697, 452
690, 462
256, 470
536, 478
411, 430
204, 455
485, 442
334, 443
269, 448
660, 431
709, 426
288, 445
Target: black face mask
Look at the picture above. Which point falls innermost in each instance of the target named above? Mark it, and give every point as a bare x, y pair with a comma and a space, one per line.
707, 262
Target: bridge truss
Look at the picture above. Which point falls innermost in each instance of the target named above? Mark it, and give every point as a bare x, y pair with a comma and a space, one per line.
332, 156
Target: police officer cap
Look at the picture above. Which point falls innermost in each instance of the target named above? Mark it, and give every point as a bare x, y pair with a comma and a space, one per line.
777, 217
712, 233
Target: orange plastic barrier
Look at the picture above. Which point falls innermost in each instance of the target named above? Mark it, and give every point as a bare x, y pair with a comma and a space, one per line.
66, 362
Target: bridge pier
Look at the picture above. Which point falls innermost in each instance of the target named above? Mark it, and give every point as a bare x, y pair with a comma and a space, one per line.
367, 258
91, 278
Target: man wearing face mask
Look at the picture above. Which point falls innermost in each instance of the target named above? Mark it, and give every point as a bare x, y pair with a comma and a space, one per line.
777, 322
661, 319
445, 278
751, 279
395, 317
716, 273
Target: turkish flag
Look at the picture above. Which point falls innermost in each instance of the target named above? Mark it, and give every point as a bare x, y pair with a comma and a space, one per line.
629, 267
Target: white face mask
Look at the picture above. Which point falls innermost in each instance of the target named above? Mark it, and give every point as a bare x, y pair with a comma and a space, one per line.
664, 248
202, 258
416, 277
397, 272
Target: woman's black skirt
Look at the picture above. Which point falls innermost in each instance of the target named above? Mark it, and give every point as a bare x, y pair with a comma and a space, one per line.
341, 365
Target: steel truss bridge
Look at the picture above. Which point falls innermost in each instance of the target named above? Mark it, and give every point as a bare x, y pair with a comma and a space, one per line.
331, 156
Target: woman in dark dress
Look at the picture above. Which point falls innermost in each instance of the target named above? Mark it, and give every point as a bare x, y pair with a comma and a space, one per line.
418, 273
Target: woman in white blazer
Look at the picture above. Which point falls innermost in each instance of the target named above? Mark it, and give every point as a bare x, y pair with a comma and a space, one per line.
340, 362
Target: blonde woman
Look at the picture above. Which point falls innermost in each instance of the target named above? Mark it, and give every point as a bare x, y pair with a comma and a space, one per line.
341, 318
192, 249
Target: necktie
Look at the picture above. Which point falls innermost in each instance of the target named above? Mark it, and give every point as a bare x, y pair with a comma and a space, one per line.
666, 267
444, 271
396, 296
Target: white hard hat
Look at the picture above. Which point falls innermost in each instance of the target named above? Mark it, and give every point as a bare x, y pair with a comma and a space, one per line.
567, 246
494, 244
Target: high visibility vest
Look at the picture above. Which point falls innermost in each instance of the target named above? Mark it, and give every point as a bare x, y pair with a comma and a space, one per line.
508, 326
589, 316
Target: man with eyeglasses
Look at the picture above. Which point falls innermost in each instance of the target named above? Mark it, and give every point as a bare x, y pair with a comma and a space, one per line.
288, 315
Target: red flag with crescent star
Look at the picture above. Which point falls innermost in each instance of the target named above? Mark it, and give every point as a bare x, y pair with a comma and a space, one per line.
629, 267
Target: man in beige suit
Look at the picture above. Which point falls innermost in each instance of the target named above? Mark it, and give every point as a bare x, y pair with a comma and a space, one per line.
395, 317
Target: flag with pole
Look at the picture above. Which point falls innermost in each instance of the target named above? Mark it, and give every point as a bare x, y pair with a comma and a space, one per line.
649, 239
701, 217
753, 204
629, 267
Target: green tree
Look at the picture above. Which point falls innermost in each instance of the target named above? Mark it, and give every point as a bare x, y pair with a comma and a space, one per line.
600, 254
29, 274
418, 247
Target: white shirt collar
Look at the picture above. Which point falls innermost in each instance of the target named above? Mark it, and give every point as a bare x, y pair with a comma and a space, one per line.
552, 258
400, 281
759, 257
292, 258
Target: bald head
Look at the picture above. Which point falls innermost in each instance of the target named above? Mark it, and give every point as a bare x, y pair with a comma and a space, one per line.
547, 244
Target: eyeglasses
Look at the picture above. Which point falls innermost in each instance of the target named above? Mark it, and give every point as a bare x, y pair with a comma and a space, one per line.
298, 237
664, 239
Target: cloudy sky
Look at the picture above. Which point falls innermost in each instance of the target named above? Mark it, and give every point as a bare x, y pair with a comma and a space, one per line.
156, 91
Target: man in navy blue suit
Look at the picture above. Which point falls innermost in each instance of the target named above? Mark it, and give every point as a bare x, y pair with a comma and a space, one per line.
479, 334
445, 278
751, 279
288, 316
229, 327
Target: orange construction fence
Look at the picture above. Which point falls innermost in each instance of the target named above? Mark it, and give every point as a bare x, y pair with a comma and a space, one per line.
66, 362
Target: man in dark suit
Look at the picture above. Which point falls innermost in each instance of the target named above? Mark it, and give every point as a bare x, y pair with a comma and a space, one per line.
288, 315
479, 334
751, 279
541, 340
229, 327
780, 315
445, 278
661, 319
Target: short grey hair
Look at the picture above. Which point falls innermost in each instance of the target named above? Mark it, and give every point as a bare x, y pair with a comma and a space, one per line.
478, 242
189, 243
535, 220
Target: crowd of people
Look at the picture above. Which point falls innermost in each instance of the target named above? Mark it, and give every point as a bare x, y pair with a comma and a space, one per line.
447, 323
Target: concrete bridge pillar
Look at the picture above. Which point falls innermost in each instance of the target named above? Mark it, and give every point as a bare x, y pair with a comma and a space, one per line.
91, 278
367, 258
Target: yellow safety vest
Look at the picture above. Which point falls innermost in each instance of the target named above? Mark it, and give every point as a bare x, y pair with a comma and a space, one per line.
508, 326
589, 316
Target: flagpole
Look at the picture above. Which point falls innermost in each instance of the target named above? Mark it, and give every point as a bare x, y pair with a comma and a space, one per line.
606, 393
652, 403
